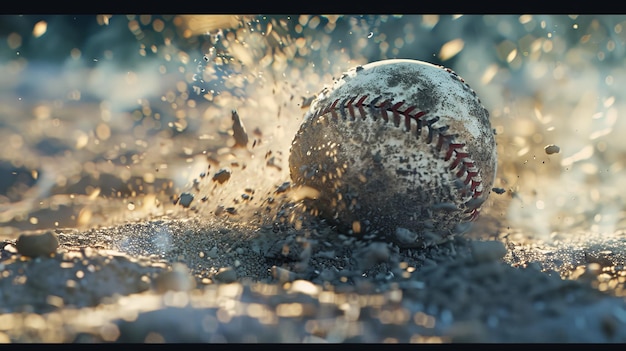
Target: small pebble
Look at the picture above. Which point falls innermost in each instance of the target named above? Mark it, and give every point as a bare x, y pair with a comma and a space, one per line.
283, 187
226, 275
552, 149
405, 236
212, 253
222, 175
239, 131
33, 245
185, 199
498, 191
306, 101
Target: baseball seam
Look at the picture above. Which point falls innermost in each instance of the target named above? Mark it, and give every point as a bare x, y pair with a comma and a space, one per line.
466, 169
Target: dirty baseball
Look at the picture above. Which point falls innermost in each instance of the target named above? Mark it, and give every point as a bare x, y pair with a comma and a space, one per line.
396, 150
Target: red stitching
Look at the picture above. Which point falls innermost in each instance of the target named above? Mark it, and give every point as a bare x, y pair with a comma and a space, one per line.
474, 184
383, 110
451, 148
407, 117
396, 113
333, 109
350, 108
359, 104
458, 158
454, 151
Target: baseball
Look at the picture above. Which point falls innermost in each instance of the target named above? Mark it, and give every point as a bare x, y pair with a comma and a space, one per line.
396, 150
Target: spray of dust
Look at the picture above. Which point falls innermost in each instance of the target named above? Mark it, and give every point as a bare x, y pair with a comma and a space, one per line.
161, 140
256, 111
545, 84
556, 81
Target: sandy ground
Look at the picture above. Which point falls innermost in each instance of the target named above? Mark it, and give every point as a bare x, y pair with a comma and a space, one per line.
169, 230
218, 282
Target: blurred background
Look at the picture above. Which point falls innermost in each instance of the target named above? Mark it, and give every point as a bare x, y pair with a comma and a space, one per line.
110, 118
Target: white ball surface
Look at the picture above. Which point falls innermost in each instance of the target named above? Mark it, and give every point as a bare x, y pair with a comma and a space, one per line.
397, 150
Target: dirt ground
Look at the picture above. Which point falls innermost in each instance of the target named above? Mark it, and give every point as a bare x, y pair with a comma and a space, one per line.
193, 280
159, 222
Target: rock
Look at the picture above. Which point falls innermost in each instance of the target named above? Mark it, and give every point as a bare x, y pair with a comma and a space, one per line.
405, 236
222, 175
498, 191
185, 199
552, 149
33, 245
226, 275
239, 131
